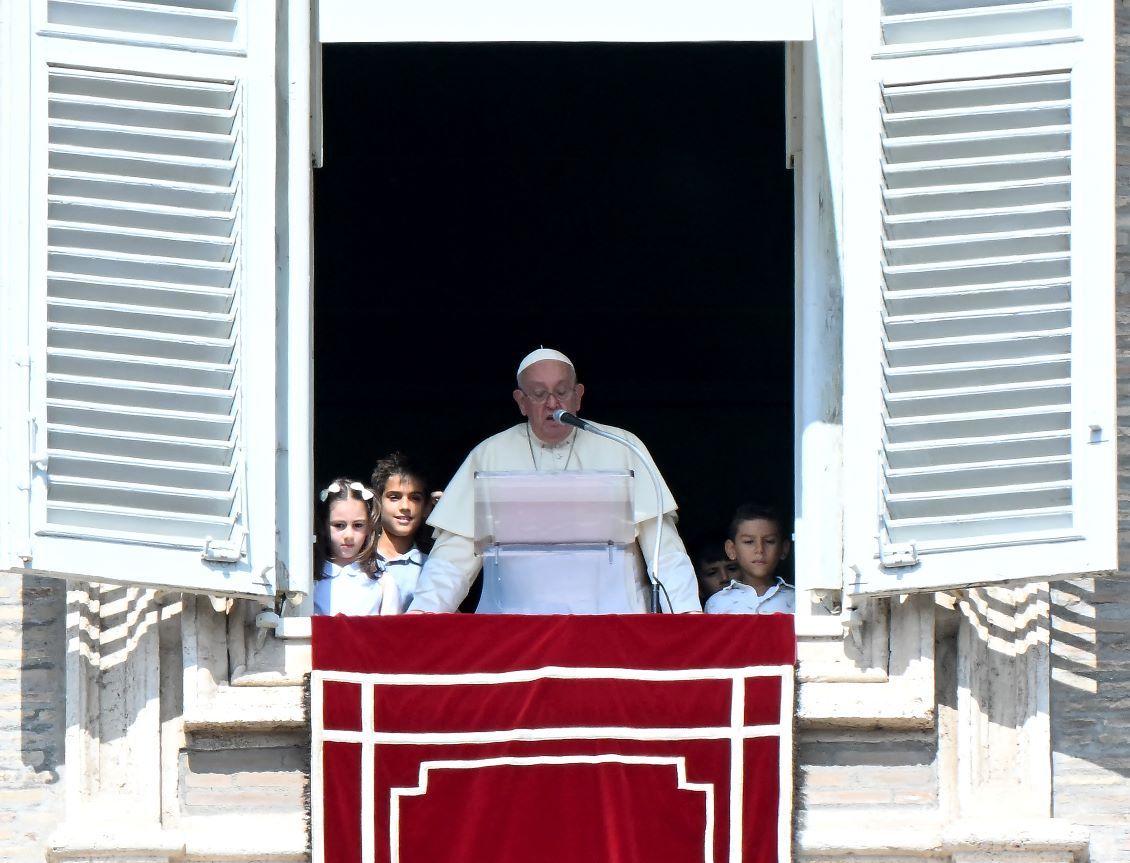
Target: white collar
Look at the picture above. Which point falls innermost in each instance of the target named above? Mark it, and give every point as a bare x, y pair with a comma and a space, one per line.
331, 569
566, 442
769, 591
412, 556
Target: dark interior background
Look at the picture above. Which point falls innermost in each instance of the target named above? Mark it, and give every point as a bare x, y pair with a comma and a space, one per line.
627, 204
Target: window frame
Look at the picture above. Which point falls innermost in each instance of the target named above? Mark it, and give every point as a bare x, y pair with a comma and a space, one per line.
282, 475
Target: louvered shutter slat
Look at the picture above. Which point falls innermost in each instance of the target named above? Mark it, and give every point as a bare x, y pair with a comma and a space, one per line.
987, 529
984, 148
975, 197
956, 249
184, 272
189, 20
976, 349
165, 295
128, 190
977, 501
977, 424
976, 222
141, 471
170, 346
152, 447
1047, 394
978, 475
213, 326
88, 85
193, 113
140, 370
918, 21
157, 244
1001, 373
79, 490
988, 297
129, 394
113, 137
186, 172
163, 219
105, 521
1000, 323
935, 455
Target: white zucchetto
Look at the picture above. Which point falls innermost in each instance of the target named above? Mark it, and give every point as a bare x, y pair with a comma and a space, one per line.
539, 355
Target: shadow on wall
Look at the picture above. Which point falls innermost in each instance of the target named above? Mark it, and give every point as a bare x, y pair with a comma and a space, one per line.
32, 713
43, 652
1090, 697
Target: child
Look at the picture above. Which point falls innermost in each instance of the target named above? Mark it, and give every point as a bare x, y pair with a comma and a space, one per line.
346, 580
758, 543
402, 490
713, 568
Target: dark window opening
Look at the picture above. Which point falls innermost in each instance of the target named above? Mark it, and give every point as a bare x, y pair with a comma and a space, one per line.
627, 204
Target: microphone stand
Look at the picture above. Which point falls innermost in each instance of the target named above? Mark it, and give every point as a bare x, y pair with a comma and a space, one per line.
563, 416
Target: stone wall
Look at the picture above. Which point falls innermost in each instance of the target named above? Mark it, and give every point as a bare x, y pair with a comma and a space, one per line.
1090, 687
1090, 710
253, 773
32, 716
868, 769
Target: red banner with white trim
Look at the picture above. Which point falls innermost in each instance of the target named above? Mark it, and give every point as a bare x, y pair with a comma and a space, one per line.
552, 738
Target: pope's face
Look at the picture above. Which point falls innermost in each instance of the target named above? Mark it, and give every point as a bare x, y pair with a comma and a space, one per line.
545, 387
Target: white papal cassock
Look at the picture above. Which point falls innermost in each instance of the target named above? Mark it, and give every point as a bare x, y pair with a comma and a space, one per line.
452, 565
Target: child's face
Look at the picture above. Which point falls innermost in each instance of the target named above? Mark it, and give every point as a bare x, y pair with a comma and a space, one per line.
403, 505
715, 575
758, 548
347, 529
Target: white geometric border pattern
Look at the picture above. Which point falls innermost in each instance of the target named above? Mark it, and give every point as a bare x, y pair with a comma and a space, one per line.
679, 763
736, 732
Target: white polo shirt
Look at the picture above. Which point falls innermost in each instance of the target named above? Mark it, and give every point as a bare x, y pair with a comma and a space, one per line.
738, 598
406, 570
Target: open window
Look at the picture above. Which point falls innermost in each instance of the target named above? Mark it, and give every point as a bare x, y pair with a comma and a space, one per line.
979, 280
156, 378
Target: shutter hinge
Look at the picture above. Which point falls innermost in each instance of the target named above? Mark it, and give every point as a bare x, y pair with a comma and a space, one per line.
898, 554
225, 551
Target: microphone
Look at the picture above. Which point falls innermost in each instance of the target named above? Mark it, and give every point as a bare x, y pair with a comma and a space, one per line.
565, 418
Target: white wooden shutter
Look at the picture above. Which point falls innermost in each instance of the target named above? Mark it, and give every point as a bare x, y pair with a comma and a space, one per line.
152, 328
979, 354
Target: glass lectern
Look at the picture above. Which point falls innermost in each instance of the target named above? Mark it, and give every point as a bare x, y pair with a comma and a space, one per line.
558, 542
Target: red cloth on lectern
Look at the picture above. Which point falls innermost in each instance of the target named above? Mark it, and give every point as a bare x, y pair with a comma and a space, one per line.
491, 741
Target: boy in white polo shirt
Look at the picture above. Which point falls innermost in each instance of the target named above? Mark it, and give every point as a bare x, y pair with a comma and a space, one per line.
758, 543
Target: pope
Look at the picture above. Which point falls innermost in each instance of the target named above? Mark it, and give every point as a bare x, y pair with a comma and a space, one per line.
547, 381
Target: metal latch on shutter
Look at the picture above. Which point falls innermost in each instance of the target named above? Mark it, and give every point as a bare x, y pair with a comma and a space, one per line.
225, 551
38, 443
897, 555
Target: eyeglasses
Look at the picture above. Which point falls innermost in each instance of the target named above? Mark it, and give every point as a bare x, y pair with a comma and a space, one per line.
336, 488
540, 397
